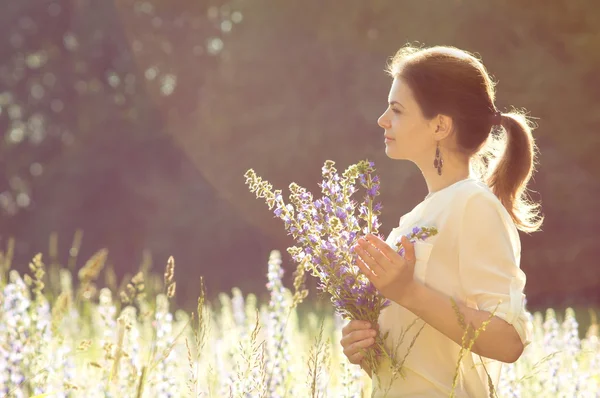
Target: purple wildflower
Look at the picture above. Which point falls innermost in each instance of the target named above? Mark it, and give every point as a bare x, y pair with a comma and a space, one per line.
305, 196
335, 189
349, 280
278, 344
363, 210
341, 270
358, 289
375, 222
340, 303
371, 289
361, 301
327, 245
372, 192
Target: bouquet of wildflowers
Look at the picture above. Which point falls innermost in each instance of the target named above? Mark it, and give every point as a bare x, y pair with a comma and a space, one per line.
326, 231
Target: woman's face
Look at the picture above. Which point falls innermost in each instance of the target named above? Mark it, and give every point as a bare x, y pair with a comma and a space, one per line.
411, 134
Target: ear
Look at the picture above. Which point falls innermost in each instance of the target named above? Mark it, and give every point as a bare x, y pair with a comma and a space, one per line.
441, 126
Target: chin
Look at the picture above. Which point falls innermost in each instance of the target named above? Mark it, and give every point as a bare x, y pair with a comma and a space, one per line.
394, 154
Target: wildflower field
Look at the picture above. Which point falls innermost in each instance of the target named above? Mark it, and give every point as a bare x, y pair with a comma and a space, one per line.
67, 333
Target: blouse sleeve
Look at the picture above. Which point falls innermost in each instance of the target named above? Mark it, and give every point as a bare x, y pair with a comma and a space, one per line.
489, 255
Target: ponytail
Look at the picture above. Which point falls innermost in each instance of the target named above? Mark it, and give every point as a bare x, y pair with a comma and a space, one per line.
510, 172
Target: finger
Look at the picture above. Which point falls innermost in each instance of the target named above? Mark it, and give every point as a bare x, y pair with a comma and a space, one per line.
356, 358
356, 335
409, 249
358, 346
355, 324
352, 327
366, 270
347, 328
380, 260
368, 259
362, 334
382, 246
365, 343
351, 344
347, 340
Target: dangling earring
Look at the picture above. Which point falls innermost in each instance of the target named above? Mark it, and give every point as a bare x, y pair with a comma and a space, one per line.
438, 162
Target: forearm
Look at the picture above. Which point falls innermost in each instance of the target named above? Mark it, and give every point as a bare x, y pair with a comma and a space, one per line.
499, 341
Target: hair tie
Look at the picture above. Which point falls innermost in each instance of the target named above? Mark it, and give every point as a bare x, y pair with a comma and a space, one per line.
497, 119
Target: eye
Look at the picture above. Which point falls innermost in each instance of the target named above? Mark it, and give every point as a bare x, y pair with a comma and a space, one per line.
396, 111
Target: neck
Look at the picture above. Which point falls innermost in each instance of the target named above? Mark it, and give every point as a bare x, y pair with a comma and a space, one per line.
453, 171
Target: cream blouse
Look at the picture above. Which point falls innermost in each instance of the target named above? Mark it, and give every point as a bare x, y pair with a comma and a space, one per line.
474, 258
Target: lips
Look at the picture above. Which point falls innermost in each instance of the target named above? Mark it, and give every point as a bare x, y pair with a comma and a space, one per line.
388, 138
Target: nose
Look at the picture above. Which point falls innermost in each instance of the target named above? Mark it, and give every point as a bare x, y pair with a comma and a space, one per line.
382, 121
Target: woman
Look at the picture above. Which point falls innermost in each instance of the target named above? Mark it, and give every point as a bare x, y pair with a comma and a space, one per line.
442, 117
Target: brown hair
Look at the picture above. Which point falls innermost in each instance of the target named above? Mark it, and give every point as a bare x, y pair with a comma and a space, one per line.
453, 82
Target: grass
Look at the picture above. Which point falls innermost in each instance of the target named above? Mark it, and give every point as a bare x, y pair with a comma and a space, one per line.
63, 335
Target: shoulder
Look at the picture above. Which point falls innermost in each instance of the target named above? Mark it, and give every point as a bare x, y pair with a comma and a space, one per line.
479, 209
475, 194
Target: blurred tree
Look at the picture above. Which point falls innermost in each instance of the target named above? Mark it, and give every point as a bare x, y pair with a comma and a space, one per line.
84, 99
136, 120
36, 86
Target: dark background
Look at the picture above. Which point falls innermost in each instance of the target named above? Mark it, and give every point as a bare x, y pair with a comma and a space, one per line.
134, 122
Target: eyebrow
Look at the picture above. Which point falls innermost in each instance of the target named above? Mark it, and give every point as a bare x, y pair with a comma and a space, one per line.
396, 103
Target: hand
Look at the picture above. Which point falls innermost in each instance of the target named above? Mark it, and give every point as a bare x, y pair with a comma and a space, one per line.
357, 335
391, 273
